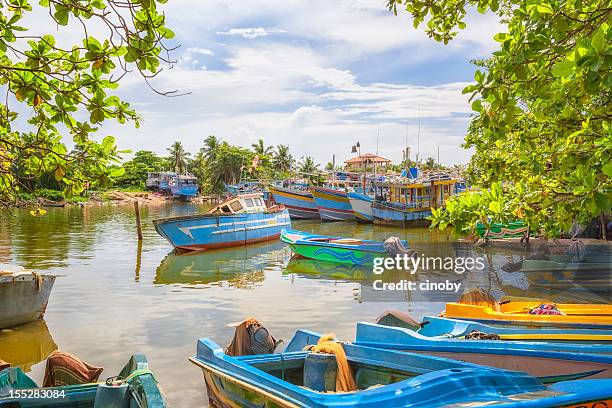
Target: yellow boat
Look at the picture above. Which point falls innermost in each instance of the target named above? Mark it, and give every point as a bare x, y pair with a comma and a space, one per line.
516, 312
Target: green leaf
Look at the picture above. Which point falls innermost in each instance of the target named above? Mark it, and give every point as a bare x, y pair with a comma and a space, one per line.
563, 68
599, 40
544, 8
607, 169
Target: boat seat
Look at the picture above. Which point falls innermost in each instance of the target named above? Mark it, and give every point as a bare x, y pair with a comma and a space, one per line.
346, 241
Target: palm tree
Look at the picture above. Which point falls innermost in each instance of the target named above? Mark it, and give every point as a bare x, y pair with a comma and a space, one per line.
283, 159
308, 166
211, 146
262, 150
178, 157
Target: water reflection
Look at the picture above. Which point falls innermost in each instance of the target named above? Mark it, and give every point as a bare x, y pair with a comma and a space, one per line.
27, 345
240, 267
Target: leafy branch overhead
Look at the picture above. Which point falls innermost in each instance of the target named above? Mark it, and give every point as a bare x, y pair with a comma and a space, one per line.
54, 88
541, 128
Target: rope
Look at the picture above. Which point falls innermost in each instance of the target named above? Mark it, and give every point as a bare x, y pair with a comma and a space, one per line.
345, 379
38, 280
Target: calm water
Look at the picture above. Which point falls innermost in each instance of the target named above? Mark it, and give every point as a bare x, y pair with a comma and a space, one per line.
114, 297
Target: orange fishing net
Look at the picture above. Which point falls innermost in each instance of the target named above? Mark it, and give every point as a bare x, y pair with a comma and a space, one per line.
345, 379
479, 297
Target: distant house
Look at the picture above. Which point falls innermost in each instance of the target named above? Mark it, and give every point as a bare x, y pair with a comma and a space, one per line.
367, 161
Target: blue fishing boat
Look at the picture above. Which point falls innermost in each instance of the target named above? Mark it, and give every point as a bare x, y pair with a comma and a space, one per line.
444, 327
549, 360
135, 386
333, 204
240, 220
361, 205
400, 215
341, 250
299, 202
184, 186
383, 378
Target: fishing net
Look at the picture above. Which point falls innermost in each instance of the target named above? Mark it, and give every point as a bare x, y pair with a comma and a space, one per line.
345, 379
549, 309
251, 337
394, 246
478, 335
479, 297
66, 369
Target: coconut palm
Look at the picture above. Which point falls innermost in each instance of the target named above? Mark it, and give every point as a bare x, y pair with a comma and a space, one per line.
282, 159
211, 146
178, 157
308, 166
261, 150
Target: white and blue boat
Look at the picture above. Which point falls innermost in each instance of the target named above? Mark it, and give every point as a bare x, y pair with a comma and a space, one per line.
399, 214
240, 220
184, 186
333, 204
550, 361
361, 205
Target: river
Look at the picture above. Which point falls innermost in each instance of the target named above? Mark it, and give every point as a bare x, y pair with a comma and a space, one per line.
114, 297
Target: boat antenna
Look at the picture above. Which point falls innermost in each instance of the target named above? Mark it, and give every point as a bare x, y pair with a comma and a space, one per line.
418, 139
377, 137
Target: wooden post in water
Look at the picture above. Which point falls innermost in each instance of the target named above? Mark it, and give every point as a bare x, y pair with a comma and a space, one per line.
138, 226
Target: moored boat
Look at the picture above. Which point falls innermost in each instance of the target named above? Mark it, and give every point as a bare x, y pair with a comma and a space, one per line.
525, 313
550, 361
184, 186
444, 327
240, 220
299, 203
400, 215
50, 203
339, 250
498, 230
382, 378
23, 296
333, 204
361, 205
136, 387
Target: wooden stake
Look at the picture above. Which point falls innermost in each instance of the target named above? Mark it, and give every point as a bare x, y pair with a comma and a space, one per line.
138, 226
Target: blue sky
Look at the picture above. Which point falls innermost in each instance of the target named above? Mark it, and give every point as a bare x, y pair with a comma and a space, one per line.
316, 75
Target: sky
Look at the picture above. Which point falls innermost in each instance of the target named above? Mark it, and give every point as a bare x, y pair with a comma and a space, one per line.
315, 75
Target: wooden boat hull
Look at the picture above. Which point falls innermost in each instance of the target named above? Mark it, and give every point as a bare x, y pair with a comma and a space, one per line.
203, 232
333, 205
442, 327
395, 215
300, 204
514, 313
555, 361
362, 206
323, 248
49, 203
144, 391
402, 379
23, 297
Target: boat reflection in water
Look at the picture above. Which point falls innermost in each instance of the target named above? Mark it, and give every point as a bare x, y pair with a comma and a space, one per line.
26, 345
312, 268
240, 266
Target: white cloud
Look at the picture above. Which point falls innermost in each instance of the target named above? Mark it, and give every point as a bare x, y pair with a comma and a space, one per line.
252, 32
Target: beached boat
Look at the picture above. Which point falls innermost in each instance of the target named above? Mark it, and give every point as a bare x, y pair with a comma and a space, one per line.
361, 205
23, 296
333, 204
49, 203
497, 230
444, 327
335, 249
140, 389
550, 361
184, 186
299, 203
384, 378
518, 313
240, 220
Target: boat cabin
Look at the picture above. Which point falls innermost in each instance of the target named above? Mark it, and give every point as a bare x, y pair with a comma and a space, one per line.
431, 193
244, 203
